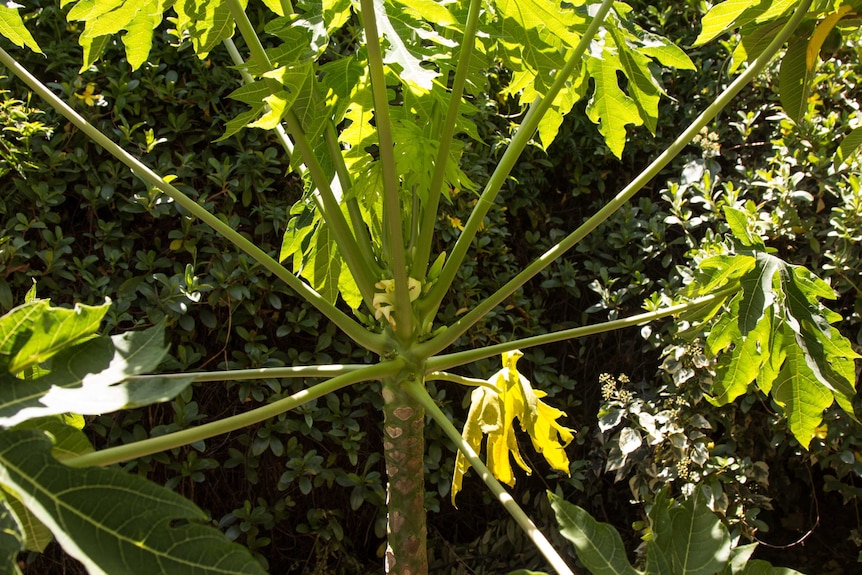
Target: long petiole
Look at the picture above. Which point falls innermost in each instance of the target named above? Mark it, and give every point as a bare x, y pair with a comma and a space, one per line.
185, 437
259, 373
357, 332
394, 243
462, 325
429, 210
448, 361
359, 266
418, 392
459, 379
522, 137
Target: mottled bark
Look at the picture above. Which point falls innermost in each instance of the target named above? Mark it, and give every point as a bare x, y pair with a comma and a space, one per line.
404, 451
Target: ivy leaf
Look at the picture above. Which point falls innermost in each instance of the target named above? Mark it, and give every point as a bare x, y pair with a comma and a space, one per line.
114, 522
493, 410
12, 27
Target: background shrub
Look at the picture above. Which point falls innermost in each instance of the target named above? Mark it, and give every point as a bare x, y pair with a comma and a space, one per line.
305, 490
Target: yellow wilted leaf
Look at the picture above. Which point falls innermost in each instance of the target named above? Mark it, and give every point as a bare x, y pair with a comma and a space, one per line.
493, 413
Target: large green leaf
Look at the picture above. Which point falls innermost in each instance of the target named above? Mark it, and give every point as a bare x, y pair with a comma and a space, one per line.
113, 522
697, 542
778, 333
92, 378
12, 27
759, 567
599, 546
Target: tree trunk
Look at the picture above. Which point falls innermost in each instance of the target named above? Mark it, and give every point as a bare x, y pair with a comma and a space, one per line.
404, 452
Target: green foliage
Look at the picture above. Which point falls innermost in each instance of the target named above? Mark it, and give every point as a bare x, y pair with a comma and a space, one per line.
343, 232
781, 334
52, 364
20, 126
683, 538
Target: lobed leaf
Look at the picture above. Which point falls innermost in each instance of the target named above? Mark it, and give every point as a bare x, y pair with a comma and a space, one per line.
114, 522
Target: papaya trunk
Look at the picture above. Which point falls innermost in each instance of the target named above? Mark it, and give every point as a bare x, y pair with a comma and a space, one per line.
404, 452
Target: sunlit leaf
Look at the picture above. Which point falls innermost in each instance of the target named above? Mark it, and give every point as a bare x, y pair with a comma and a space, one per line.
12, 27
795, 79
92, 378
34, 332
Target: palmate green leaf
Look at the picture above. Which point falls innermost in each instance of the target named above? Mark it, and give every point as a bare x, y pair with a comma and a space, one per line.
560, 21
738, 369
12, 27
780, 333
34, 332
92, 378
599, 546
731, 14
208, 22
757, 294
404, 44
114, 522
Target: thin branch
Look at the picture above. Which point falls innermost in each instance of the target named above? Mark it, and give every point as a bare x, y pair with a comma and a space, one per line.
519, 142
418, 392
186, 436
356, 331
451, 360
452, 333
426, 230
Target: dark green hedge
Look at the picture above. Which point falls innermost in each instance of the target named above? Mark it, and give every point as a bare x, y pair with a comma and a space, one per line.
305, 490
